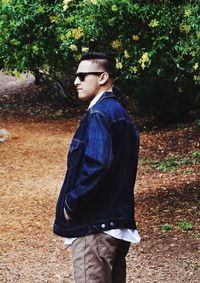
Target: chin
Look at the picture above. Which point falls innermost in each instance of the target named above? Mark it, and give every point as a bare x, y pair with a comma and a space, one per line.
84, 98
81, 97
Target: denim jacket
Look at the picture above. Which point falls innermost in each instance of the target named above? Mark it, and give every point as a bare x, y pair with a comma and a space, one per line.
98, 189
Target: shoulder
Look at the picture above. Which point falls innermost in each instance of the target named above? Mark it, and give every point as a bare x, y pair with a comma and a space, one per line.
110, 110
107, 105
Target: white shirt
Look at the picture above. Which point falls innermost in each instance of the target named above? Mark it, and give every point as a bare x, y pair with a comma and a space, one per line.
129, 235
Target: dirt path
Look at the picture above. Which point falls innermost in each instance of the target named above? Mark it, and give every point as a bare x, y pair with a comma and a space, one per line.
32, 169
32, 166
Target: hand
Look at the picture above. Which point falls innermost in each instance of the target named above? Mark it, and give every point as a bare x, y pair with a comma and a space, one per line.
67, 217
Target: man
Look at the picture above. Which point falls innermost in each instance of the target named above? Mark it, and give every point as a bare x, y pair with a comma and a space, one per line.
95, 209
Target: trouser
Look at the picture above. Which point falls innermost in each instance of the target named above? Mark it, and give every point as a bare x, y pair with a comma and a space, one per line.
99, 258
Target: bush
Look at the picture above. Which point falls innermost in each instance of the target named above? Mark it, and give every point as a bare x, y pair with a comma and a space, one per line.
156, 45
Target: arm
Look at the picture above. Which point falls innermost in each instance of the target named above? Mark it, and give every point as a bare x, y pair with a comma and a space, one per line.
97, 159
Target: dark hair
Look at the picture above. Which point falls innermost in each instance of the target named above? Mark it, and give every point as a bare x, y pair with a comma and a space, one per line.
108, 63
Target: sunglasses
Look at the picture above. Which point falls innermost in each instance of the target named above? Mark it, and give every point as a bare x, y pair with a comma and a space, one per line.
82, 75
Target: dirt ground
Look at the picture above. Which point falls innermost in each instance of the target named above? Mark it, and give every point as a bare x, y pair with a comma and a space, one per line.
32, 167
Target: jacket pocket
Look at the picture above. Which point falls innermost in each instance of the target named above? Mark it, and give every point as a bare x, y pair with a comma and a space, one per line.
74, 153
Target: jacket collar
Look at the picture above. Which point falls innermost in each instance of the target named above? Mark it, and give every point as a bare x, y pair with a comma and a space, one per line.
107, 94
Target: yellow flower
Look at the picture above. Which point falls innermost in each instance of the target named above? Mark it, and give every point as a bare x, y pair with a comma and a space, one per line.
126, 55
144, 59
187, 13
73, 47
77, 33
62, 37
5, 2
40, 9
17, 74
153, 23
46, 68
135, 37
53, 19
184, 28
116, 44
77, 57
84, 49
35, 49
114, 8
196, 66
93, 2
119, 64
90, 1
196, 78
66, 4
133, 69
198, 34
68, 34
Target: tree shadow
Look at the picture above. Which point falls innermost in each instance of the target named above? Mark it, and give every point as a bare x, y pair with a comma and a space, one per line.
168, 205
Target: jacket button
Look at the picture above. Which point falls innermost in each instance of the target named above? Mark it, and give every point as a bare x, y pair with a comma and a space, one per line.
103, 225
112, 224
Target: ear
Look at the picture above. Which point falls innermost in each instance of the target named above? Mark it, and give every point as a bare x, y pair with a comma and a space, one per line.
103, 78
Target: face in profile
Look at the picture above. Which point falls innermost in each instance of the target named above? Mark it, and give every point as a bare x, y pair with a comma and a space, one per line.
89, 79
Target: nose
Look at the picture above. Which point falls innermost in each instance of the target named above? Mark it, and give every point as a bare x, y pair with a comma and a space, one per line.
76, 81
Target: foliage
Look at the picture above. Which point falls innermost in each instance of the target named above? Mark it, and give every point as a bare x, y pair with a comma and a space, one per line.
185, 226
166, 227
196, 235
196, 154
171, 162
156, 45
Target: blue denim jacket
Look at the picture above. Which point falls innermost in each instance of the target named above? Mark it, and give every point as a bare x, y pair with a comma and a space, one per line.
98, 189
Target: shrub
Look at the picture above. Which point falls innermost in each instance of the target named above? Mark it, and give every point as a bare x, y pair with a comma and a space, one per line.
185, 226
167, 227
156, 45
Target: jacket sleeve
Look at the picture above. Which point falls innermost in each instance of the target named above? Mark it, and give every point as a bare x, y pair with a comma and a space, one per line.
97, 159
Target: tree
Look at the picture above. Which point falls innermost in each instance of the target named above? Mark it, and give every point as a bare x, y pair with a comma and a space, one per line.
156, 45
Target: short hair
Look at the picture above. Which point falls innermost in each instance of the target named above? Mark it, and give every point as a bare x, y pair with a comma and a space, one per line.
108, 63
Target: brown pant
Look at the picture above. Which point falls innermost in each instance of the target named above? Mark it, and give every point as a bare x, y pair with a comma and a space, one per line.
99, 258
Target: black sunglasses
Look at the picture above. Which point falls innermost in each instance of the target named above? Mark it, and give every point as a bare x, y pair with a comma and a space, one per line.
82, 75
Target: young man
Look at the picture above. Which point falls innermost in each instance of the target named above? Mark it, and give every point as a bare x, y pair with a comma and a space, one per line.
95, 209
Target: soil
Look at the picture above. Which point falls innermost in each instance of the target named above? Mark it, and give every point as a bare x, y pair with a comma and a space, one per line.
33, 164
